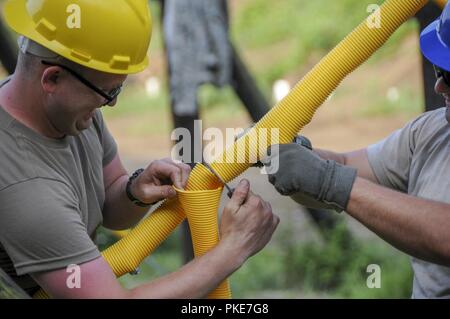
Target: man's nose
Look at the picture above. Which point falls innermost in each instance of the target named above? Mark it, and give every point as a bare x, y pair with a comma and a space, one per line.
440, 87
112, 103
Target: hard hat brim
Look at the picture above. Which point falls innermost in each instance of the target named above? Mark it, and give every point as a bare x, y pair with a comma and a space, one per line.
433, 48
18, 19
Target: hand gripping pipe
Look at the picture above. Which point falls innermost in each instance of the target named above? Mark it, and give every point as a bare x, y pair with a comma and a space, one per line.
289, 116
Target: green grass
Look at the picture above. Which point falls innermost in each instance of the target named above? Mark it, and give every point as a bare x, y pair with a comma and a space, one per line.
263, 271
339, 267
299, 29
215, 105
302, 28
165, 259
135, 101
336, 268
405, 100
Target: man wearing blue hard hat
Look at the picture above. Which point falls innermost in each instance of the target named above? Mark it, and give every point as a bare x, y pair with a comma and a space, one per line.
399, 187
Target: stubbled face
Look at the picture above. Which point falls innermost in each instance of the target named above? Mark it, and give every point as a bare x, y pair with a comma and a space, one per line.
71, 105
441, 88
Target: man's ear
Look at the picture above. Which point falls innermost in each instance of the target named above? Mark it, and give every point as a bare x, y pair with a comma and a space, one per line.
50, 79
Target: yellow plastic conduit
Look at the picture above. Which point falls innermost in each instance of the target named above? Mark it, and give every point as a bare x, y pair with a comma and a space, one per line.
201, 212
290, 115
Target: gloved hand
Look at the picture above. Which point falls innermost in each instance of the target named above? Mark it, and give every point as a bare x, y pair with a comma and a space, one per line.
294, 169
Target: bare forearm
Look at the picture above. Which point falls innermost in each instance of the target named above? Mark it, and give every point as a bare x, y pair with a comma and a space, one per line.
416, 226
356, 159
329, 155
196, 279
119, 212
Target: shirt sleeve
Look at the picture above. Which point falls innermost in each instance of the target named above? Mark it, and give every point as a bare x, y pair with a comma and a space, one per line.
390, 159
107, 140
41, 228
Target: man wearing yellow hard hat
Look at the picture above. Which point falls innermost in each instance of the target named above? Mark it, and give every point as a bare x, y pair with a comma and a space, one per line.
61, 174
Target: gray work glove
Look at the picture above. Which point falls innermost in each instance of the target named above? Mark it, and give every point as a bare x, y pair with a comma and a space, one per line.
307, 178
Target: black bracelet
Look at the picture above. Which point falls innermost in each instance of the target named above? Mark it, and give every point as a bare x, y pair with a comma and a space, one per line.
133, 199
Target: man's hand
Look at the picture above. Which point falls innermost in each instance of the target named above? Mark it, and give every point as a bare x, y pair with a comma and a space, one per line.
308, 178
247, 221
246, 227
155, 182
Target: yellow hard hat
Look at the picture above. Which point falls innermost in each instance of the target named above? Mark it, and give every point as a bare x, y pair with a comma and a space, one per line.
112, 36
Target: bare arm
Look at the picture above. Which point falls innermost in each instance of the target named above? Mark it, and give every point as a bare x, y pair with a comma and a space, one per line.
246, 227
97, 280
356, 159
416, 226
118, 211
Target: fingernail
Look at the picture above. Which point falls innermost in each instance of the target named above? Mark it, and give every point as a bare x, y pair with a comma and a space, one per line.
245, 183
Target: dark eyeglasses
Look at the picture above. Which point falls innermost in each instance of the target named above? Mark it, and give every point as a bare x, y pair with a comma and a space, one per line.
440, 73
108, 96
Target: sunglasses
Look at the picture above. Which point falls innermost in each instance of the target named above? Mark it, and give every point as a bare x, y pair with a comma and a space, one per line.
108, 96
441, 73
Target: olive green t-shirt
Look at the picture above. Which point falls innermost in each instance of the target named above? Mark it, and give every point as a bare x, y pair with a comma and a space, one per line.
416, 160
51, 197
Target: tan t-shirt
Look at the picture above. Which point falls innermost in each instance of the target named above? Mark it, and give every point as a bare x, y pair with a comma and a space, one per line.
416, 160
51, 197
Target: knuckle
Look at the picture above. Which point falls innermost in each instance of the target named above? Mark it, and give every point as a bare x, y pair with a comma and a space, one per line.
268, 215
147, 193
254, 201
276, 219
164, 191
176, 170
230, 205
155, 164
240, 193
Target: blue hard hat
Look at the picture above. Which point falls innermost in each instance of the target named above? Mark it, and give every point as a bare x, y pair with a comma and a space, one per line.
435, 40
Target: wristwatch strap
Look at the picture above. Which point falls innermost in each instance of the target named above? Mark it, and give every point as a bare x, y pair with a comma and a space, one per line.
133, 199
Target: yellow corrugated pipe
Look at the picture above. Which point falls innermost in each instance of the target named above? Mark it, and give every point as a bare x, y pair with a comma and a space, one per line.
289, 116
201, 212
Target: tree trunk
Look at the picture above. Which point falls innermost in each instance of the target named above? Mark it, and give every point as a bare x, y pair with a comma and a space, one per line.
432, 100
9, 289
8, 50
